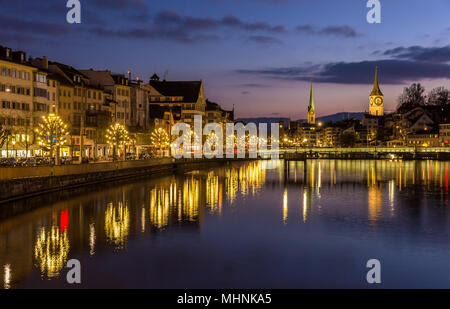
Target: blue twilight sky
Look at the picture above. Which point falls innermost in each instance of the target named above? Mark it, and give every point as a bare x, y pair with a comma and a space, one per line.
256, 54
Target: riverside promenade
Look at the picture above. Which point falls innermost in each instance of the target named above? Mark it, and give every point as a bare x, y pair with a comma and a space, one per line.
22, 182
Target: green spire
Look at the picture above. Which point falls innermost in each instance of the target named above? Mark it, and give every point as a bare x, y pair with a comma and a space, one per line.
311, 106
376, 88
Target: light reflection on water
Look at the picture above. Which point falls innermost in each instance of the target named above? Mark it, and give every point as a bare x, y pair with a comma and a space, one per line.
372, 203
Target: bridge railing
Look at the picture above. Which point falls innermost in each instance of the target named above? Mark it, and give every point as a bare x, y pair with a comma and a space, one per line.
371, 150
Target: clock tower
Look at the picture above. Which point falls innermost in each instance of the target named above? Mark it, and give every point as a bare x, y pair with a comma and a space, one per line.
376, 107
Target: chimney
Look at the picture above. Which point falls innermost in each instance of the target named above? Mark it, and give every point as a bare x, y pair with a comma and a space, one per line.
5, 52
41, 63
19, 56
45, 63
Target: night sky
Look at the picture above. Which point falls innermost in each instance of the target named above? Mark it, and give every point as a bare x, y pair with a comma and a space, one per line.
256, 54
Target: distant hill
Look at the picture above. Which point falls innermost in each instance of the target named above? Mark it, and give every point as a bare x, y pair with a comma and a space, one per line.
333, 117
340, 116
263, 120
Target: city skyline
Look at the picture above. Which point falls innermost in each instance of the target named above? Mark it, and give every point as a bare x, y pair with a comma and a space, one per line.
249, 53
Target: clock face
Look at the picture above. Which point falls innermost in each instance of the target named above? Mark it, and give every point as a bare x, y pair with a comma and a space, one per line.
371, 102
378, 101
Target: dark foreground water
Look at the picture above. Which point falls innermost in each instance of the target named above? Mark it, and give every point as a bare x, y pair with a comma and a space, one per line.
240, 226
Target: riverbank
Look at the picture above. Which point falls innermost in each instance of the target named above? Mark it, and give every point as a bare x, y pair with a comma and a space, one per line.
23, 182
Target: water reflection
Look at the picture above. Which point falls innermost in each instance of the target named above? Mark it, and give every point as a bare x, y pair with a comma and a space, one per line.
291, 194
117, 224
51, 251
7, 277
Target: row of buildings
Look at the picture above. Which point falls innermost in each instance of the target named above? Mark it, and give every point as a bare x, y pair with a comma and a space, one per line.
421, 126
89, 101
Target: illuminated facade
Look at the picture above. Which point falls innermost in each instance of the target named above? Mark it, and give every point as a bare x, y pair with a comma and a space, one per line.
376, 98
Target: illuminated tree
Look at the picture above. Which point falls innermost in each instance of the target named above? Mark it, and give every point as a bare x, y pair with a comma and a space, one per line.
5, 135
116, 135
52, 133
160, 139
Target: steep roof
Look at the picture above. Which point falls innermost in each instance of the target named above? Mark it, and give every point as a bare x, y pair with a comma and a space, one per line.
68, 70
96, 78
189, 90
376, 87
311, 106
61, 79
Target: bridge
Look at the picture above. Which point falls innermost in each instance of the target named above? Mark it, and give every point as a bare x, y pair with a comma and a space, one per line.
406, 153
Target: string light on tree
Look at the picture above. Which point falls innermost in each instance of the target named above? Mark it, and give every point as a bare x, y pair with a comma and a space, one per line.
51, 133
117, 135
160, 138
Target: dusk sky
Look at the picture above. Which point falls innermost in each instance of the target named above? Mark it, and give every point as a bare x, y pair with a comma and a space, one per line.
256, 54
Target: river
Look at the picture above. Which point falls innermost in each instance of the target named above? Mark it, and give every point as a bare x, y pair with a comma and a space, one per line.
255, 224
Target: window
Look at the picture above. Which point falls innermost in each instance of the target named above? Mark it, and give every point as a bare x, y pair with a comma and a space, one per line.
40, 78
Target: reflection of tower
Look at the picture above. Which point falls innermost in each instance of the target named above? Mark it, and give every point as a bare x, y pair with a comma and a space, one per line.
374, 203
376, 98
311, 108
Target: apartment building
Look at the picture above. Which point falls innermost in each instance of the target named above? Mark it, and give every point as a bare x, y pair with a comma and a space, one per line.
188, 95
17, 87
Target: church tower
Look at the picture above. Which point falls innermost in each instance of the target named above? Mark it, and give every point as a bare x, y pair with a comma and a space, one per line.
376, 107
311, 108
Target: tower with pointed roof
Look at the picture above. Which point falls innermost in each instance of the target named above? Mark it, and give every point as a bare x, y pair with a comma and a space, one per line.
311, 108
376, 107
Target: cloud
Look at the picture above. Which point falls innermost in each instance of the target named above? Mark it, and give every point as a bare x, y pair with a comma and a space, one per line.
253, 85
171, 26
16, 38
119, 5
404, 65
429, 54
392, 71
262, 39
339, 31
231, 21
173, 19
33, 27
177, 35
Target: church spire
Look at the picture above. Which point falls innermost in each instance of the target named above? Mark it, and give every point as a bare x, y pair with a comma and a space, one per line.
311, 106
376, 88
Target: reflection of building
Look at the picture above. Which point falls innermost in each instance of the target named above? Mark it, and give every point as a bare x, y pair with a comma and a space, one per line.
374, 202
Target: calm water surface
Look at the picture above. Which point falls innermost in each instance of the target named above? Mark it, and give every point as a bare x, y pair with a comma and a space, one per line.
239, 226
